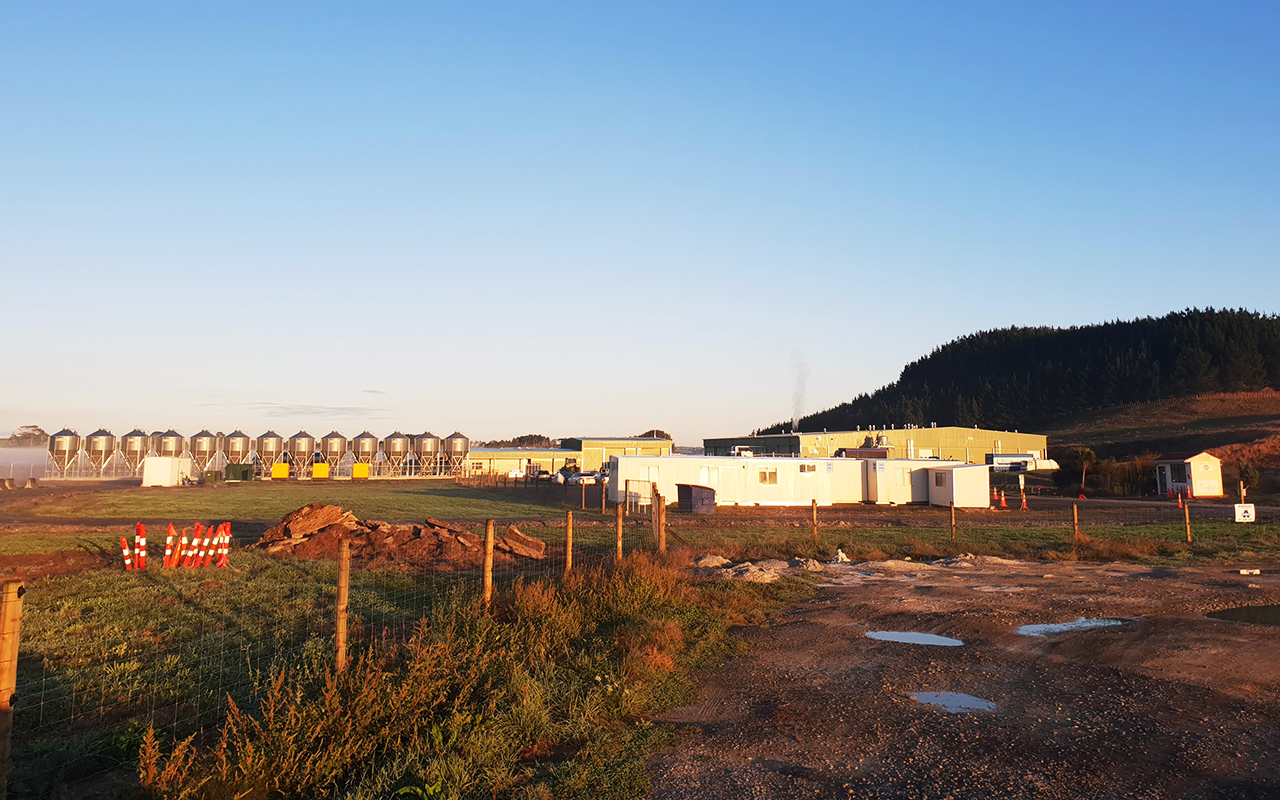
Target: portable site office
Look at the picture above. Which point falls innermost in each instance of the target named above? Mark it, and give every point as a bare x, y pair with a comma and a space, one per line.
800, 481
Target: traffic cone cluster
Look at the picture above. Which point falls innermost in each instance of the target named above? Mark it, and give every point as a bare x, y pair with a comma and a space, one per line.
211, 547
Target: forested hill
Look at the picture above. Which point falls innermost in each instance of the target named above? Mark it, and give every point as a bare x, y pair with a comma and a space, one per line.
1020, 377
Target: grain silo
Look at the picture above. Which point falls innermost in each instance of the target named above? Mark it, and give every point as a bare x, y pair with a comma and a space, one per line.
238, 447
269, 450
301, 451
426, 454
100, 449
334, 447
64, 453
456, 447
396, 449
171, 444
204, 449
134, 446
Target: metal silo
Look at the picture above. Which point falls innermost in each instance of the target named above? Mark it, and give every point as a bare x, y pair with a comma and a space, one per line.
100, 446
134, 446
64, 451
172, 444
334, 447
426, 453
239, 447
456, 448
270, 448
302, 446
365, 447
396, 448
204, 449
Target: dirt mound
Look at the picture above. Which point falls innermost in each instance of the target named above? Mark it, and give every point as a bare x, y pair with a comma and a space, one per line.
317, 530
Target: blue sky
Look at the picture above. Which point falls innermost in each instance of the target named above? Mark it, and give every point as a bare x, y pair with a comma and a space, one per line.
601, 217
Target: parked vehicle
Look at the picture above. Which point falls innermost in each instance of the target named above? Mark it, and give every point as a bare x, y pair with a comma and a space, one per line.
583, 479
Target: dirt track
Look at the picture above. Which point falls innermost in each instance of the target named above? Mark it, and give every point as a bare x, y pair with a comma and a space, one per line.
1169, 704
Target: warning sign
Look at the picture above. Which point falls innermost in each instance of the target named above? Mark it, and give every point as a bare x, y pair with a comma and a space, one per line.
1244, 512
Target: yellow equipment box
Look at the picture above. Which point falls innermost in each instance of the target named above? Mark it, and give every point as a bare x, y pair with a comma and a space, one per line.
320, 472
280, 472
360, 472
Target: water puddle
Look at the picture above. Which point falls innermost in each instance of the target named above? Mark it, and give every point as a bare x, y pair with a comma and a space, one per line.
1083, 623
1254, 615
954, 702
911, 637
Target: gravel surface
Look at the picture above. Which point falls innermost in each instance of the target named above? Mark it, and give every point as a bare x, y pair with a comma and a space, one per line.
1168, 704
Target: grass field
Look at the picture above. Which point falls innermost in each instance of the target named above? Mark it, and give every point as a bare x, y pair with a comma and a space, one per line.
267, 501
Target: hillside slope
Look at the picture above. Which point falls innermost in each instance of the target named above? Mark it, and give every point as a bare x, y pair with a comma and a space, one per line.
1235, 426
1025, 378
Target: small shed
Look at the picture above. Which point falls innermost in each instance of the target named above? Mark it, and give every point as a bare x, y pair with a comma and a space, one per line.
167, 471
1189, 474
967, 486
695, 499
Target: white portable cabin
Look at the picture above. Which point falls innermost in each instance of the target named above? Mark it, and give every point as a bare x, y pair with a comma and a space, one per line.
740, 480
898, 481
966, 485
166, 470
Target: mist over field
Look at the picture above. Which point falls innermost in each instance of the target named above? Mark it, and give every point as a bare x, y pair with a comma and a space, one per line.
22, 462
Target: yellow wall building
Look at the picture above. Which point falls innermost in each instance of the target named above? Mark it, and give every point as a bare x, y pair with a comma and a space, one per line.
967, 445
584, 454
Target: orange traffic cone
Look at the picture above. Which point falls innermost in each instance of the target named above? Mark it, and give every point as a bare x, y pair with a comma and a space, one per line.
1024, 503
1179, 499
994, 496
128, 559
1002, 503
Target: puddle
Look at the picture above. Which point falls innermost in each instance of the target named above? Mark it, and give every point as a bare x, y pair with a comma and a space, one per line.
1254, 615
1082, 623
954, 702
911, 637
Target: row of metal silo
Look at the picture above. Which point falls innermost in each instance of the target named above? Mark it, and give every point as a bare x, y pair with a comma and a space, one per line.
102, 454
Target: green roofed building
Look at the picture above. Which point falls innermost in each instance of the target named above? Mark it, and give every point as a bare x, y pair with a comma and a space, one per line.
967, 445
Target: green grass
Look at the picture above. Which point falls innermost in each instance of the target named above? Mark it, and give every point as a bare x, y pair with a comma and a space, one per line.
1212, 542
267, 501
18, 544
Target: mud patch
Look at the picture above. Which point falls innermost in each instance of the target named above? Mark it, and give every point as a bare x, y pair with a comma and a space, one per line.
1253, 615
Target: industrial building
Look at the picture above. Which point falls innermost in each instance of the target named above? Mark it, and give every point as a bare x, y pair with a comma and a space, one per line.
1189, 474
949, 443
790, 481
580, 453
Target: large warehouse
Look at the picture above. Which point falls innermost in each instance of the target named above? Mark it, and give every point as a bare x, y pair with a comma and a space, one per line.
968, 445
583, 453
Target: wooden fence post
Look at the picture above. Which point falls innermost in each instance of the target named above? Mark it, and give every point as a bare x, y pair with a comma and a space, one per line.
344, 593
10, 621
488, 564
662, 524
953, 521
603, 491
1075, 525
815, 520
568, 542
617, 528
1186, 515
583, 486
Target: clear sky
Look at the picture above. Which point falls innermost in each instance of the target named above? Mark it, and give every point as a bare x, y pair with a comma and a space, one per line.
601, 218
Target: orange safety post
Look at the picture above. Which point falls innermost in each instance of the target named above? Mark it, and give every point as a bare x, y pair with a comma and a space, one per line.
168, 547
195, 545
124, 549
204, 548
181, 551
140, 543
224, 556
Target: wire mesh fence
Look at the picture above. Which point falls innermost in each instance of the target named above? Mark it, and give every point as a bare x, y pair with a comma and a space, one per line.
106, 655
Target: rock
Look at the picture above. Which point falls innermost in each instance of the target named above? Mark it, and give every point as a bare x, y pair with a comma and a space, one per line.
773, 565
806, 564
522, 545
710, 561
748, 572
840, 558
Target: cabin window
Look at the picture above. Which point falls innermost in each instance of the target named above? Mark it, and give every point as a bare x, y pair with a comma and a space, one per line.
1179, 473
769, 477
808, 467
940, 479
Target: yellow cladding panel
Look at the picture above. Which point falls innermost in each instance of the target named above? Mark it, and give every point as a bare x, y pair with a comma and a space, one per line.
360, 472
279, 472
320, 472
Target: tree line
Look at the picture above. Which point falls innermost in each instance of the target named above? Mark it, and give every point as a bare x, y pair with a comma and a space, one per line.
1013, 378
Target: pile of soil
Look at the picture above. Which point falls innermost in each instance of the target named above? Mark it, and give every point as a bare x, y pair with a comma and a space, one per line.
316, 531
